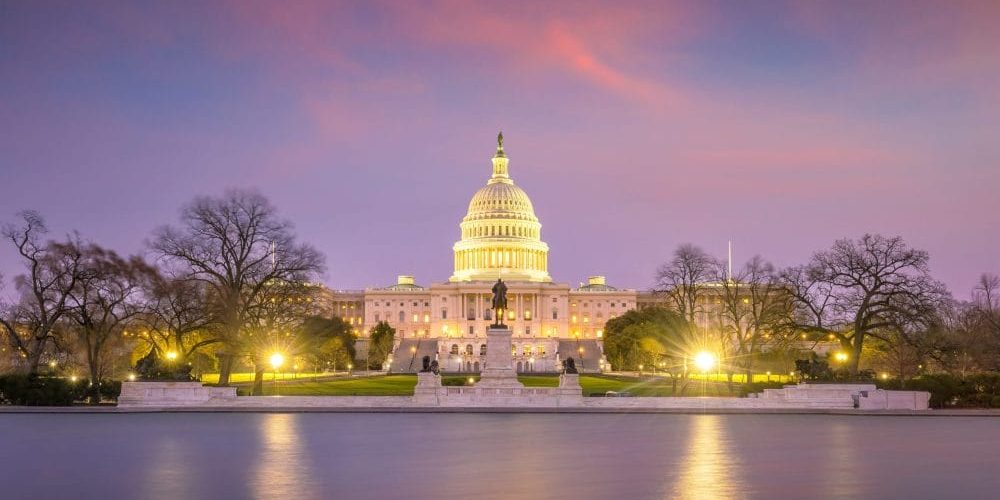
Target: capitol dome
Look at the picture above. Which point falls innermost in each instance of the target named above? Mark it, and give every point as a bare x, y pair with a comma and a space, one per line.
501, 237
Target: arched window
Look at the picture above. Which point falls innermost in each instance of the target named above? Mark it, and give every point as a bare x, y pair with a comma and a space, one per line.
454, 348
527, 350
482, 349
468, 349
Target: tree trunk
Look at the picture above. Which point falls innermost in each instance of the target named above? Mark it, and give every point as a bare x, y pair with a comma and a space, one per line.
258, 378
225, 367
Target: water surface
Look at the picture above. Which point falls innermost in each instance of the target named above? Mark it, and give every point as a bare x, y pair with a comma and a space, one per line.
485, 456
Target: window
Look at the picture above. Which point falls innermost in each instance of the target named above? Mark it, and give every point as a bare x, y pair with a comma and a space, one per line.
527, 315
427, 317
487, 314
444, 314
468, 349
416, 317
402, 317
527, 330
377, 317
471, 314
527, 350
454, 348
510, 315
555, 314
541, 350
414, 303
472, 331
482, 349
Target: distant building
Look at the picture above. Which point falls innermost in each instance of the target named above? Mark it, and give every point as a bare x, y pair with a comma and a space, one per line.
500, 238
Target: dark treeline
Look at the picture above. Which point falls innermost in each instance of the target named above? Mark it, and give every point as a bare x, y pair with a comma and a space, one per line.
228, 285
870, 303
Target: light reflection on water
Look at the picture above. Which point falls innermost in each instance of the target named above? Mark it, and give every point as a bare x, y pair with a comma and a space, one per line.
706, 470
487, 456
282, 466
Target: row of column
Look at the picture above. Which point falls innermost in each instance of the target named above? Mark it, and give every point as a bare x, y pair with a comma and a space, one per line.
483, 301
481, 258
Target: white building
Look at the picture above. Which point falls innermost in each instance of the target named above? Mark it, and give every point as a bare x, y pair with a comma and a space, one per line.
500, 237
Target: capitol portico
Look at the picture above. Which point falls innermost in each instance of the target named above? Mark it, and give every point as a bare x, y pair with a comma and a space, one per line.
500, 237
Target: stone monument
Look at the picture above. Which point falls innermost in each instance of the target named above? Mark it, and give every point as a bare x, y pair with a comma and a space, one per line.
498, 371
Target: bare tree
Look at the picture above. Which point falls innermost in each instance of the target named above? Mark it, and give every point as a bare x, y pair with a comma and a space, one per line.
975, 329
179, 316
106, 300
861, 288
52, 270
684, 278
236, 245
275, 323
755, 307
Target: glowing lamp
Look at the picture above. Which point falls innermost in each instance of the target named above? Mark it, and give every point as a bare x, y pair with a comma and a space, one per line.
704, 361
277, 359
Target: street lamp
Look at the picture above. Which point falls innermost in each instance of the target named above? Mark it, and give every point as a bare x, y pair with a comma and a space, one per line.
704, 361
840, 356
277, 359
171, 355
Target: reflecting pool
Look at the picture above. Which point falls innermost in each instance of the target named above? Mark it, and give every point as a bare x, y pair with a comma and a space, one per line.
485, 456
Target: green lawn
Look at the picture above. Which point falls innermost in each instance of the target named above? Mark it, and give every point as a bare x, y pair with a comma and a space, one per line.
402, 385
239, 378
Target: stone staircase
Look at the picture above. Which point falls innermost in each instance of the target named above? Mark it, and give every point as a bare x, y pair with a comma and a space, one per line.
589, 361
409, 354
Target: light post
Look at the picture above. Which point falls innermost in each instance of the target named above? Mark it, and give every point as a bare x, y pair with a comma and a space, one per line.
276, 361
704, 361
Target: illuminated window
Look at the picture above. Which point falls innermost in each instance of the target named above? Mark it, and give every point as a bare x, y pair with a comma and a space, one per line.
510, 315
427, 318
527, 315
526, 350
600, 333
572, 318
416, 318
541, 350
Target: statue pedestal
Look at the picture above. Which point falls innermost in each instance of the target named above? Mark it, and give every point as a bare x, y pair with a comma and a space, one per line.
499, 369
428, 388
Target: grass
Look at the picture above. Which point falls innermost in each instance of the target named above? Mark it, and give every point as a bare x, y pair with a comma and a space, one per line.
402, 385
245, 377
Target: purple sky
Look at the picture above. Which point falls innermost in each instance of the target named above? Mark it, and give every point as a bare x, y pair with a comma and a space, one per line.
633, 127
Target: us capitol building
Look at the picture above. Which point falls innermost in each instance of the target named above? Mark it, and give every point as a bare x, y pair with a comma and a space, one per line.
500, 238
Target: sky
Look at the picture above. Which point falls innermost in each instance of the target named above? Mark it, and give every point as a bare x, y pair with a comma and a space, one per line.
633, 126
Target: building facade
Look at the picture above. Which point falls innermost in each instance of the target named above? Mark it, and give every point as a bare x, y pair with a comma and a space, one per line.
500, 238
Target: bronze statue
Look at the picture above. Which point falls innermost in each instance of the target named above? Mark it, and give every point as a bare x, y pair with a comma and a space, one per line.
569, 366
426, 364
500, 140
499, 301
